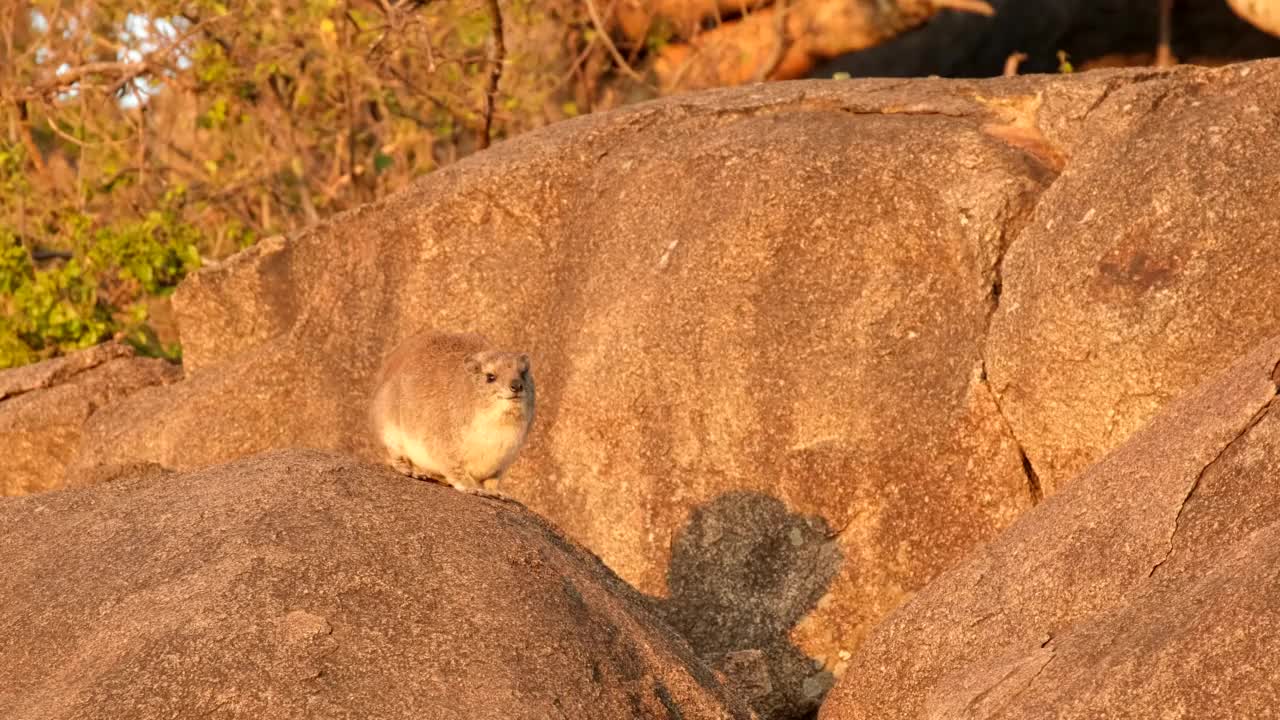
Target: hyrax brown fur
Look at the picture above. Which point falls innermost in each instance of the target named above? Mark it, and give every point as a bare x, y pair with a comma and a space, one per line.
449, 407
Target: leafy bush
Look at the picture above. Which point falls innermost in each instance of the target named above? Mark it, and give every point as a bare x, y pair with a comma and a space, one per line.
138, 136
46, 310
94, 292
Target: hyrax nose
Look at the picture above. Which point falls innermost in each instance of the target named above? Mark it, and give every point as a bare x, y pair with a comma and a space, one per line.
517, 385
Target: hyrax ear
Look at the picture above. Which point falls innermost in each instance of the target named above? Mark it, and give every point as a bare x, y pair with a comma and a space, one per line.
522, 363
472, 364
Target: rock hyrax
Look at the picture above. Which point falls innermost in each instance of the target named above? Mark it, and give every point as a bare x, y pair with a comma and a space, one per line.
450, 408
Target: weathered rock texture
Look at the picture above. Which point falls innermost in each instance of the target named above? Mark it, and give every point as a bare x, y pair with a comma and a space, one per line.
302, 585
759, 321
1147, 588
788, 301
1150, 261
43, 408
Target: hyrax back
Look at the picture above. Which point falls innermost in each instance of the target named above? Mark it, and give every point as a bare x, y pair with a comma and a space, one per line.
449, 407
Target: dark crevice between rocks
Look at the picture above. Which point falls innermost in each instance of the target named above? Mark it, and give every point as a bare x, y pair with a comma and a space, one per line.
1033, 480
1010, 228
1018, 217
1195, 484
802, 103
900, 111
867, 102
1035, 491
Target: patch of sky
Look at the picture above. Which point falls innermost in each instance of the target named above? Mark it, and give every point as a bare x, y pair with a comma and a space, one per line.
139, 36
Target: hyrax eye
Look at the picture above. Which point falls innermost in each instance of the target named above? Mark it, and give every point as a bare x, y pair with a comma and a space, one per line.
490, 377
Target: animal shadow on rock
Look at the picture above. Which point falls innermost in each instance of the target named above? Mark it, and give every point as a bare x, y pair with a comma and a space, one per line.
744, 570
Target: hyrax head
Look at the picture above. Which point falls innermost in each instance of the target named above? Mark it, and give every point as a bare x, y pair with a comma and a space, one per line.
500, 375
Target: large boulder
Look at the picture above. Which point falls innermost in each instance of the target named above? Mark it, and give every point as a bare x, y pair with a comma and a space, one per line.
759, 351
301, 585
44, 406
1150, 261
1144, 588
760, 322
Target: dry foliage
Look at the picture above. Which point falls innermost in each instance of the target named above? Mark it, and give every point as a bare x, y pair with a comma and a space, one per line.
167, 131
138, 138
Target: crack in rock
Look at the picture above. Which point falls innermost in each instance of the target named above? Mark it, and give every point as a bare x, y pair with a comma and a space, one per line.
1033, 478
1040, 671
1034, 489
996, 274
1195, 483
1125, 82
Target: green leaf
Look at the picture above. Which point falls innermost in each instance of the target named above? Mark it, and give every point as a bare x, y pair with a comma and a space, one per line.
1064, 65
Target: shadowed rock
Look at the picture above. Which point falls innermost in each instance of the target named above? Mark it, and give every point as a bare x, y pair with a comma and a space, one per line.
1146, 586
1091, 32
744, 571
303, 585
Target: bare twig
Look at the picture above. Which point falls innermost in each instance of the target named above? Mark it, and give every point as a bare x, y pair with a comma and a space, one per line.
1012, 62
978, 7
28, 142
142, 133
782, 41
577, 62
608, 43
349, 92
495, 72
126, 72
195, 20
435, 99
129, 70
1164, 44
77, 141
82, 197
582, 56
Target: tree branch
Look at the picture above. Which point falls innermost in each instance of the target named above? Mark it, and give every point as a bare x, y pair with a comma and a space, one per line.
977, 7
495, 72
126, 72
1012, 62
24, 133
608, 43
